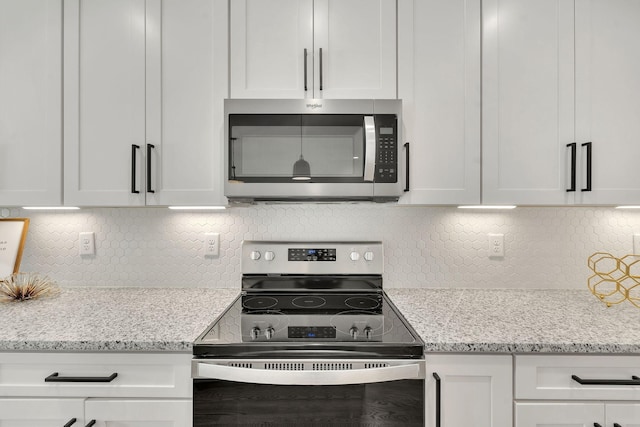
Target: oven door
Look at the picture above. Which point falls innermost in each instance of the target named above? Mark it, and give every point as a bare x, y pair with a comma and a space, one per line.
289, 392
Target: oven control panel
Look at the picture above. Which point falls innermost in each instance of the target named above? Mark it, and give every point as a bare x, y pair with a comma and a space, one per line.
281, 257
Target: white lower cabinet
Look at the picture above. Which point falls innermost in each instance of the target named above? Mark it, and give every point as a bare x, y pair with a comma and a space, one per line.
95, 389
474, 390
33, 412
577, 391
138, 413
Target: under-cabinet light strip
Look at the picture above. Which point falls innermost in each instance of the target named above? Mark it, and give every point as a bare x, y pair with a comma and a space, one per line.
486, 207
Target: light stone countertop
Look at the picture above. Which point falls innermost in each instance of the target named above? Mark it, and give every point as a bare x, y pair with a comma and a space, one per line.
448, 320
112, 319
519, 321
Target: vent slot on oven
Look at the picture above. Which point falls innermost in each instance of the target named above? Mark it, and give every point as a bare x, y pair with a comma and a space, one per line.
375, 365
329, 366
240, 365
308, 366
285, 366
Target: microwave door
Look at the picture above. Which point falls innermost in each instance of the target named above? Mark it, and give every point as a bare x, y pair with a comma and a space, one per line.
370, 148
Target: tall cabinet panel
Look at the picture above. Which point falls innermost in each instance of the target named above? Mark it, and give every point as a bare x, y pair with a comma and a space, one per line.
185, 103
144, 86
30, 102
439, 84
528, 101
607, 101
313, 49
104, 101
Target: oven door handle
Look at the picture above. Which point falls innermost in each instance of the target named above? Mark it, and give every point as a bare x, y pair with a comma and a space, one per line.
286, 377
370, 148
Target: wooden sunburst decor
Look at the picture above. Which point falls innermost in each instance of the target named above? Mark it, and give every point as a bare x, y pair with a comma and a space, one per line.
26, 286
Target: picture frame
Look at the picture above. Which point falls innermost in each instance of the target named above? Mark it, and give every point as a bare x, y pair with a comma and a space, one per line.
13, 233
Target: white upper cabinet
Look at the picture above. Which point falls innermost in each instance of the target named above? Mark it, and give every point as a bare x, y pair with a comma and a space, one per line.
30, 102
313, 49
439, 84
560, 80
528, 101
144, 84
607, 98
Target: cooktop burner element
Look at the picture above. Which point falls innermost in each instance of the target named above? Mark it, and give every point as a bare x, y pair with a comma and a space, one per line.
311, 299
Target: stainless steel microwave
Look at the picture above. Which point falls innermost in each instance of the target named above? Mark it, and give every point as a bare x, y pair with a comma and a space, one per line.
312, 150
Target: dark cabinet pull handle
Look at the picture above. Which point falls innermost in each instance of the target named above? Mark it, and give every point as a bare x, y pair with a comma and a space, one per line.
616, 425
574, 148
71, 422
150, 147
596, 425
55, 378
588, 145
406, 159
633, 381
134, 149
320, 68
438, 397
305, 70
90, 423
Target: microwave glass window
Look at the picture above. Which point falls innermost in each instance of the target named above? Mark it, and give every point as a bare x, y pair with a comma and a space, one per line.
265, 147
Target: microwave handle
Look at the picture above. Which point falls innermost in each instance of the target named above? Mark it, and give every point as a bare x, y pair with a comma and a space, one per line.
370, 148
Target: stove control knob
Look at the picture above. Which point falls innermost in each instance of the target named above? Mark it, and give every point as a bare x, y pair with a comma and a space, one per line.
255, 255
268, 333
353, 332
269, 256
368, 332
368, 256
255, 333
355, 256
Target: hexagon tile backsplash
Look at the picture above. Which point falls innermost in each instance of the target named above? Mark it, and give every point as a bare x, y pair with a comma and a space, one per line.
424, 246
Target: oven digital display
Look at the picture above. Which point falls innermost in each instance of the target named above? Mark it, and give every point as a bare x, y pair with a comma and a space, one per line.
322, 332
307, 254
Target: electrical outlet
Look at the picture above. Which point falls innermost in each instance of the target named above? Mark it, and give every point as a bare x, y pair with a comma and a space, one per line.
87, 243
211, 244
636, 244
496, 245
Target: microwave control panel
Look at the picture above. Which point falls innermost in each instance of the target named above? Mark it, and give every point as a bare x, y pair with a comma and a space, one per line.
387, 149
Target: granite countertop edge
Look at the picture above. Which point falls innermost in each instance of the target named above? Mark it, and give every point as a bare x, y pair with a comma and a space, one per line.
504, 321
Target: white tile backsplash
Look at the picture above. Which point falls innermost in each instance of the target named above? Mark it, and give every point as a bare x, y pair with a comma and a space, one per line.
424, 246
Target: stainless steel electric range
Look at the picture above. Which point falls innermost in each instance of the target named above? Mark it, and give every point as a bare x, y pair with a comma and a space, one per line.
312, 340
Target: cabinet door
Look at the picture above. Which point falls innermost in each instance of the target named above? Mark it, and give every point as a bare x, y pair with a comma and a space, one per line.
439, 84
30, 102
481, 383
607, 101
185, 91
41, 412
528, 101
139, 413
268, 42
358, 42
104, 104
625, 415
559, 414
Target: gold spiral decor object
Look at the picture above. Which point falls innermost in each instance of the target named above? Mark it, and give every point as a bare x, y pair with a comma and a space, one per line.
615, 279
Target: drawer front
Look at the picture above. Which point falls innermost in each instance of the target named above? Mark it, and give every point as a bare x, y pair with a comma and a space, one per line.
92, 374
559, 377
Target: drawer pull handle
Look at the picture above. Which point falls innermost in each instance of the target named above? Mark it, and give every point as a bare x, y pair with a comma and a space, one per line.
596, 425
71, 422
616, 425
633, 381
55, 378
90, 423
